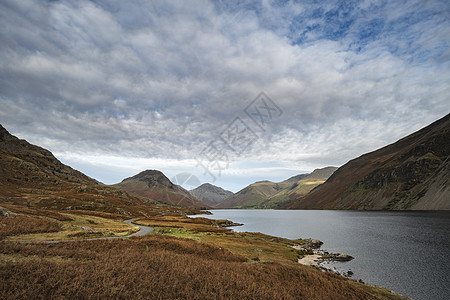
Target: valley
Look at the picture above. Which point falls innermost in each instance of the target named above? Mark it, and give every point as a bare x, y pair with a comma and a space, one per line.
45, 204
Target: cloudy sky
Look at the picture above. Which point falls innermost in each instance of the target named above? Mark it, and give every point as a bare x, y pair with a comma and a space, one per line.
116, 87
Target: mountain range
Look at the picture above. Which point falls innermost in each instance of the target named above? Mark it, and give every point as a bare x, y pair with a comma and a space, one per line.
31, 177
410, 174
267, 194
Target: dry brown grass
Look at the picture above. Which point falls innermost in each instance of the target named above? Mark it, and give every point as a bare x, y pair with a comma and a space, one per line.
253, 246
98, 214
177, 221
165, 267
85, 234
16, 225
158, 267
37, 212
64, 225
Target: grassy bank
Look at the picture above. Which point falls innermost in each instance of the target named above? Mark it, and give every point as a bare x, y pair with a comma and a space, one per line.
184, 259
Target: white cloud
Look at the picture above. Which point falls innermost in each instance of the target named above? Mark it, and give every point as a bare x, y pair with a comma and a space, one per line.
157, 81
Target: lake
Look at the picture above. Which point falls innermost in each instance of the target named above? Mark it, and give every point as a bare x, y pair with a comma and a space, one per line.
407, 252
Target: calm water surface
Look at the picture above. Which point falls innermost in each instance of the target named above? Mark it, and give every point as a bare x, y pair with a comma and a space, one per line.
407, 252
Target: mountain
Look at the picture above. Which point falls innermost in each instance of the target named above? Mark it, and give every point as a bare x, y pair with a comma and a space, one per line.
32, 178
210, 194
267, 194
153, 185
412, 173
30, 166
251, 196
301, 185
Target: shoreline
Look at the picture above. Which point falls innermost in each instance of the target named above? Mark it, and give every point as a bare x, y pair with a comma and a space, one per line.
253, 250
310, 260
319, 256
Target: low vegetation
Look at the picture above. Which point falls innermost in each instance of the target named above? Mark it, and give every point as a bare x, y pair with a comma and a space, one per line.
159, 267
15, 225
185, 258
28, 225
253, 246
36, 212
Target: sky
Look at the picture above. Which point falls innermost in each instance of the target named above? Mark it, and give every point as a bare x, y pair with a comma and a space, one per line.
225, 92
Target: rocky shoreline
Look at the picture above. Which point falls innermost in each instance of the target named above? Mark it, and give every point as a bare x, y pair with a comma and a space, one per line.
314, 256
225, 223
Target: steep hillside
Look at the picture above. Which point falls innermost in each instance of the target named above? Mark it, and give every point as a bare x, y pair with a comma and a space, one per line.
155, 186
210, 194
251, 196
413, 173
32, 178
29, 165
267, 194
303, 185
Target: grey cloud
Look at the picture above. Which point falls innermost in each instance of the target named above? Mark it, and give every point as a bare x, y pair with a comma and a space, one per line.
159, 79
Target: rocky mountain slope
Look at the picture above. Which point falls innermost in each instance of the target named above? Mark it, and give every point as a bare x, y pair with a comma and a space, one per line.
413, 173
210, 194
153, 185
267, 194
32, 178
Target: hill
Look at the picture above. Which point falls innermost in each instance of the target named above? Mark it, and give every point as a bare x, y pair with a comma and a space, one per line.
153, 185
301, 185
32, 179
412, 173
210, 194
251, 196
267, 194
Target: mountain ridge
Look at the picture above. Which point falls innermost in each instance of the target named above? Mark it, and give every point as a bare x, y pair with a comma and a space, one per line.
32, 178
401, 175
267, 194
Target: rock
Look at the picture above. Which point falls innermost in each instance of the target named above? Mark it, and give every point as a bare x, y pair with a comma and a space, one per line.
6, 213
86, 228
226, 223
337, 257
343, 257
314, 243
122, 211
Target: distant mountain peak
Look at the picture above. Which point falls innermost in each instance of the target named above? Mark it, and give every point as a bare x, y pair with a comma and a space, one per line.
152, 178
154, 185
264, 181
211, 194
207, 184
150, 173
323, 172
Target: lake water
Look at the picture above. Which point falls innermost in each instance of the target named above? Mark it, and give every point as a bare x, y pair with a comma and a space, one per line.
407, 252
